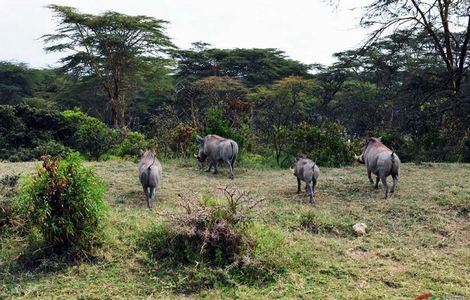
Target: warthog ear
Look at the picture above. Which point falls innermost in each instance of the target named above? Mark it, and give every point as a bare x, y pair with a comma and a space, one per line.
141, 152
199, 139
379, 139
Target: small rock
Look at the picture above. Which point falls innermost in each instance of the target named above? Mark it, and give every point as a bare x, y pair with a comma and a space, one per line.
360, 229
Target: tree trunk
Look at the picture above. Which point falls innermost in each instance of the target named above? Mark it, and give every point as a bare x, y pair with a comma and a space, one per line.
114, 112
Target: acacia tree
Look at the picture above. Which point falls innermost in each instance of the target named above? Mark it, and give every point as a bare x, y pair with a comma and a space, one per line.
447, 23
111, 47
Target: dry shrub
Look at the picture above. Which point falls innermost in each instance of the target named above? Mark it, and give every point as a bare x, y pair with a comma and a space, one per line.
210, 229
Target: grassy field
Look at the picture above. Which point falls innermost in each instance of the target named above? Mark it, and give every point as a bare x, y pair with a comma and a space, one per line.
418, 240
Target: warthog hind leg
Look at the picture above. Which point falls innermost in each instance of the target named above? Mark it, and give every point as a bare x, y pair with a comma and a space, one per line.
376, 182
151, 197
231, 175
298, 185
384, 182
395, 181
369, 175
210, 167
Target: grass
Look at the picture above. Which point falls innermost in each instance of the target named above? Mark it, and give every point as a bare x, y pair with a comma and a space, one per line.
418, 241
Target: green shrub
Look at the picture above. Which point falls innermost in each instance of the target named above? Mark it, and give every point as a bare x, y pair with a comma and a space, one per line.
325, 144
91, 137
131, 144
64, 200
51, 148
216, 123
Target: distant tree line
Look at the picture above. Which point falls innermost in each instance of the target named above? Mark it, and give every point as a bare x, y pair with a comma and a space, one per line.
125, 71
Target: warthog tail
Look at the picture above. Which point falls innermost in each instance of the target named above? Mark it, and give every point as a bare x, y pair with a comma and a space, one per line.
393, 158
232, 160
148, 172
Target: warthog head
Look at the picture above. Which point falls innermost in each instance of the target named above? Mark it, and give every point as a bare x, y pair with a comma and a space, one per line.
201, 156
359, 158
368, 141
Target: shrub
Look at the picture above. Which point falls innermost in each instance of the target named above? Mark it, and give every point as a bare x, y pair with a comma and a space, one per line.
65, 202
183, 140
131, 143
211, 229
23, 128
91, 137
219, 236
217, 123
52, 148
325, 144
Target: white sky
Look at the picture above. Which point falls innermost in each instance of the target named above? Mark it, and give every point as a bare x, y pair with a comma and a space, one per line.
307, 30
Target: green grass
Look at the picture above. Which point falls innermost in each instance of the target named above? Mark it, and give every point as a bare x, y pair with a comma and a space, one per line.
418, 241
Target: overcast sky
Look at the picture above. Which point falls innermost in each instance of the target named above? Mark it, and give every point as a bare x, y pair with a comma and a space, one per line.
307, 30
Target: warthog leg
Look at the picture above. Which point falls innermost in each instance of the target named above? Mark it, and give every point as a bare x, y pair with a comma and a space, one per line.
298, 185
376, 182
230, 169
369, 174
384, 182
151, 197
210, 167
146, 192
215, 167
395, 180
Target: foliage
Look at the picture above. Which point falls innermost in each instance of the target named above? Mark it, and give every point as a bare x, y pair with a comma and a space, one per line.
24, 130
217, 124
253, 66
325, 144
65, 201
111, 47
90, 136
15, 82
131, 144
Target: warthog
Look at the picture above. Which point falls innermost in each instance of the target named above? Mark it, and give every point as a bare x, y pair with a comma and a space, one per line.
150, 175
381, 161
306, 170
217, 149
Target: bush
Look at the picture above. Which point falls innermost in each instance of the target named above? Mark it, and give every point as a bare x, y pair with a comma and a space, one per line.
65, 202
216, 123
91, 137
131, 144
218, 235
51, 148
23, 128
211, 229
326, 144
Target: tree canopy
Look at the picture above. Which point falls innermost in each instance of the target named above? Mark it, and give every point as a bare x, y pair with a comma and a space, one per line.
112, 47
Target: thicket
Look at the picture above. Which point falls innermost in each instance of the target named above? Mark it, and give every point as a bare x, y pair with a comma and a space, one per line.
28, 133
